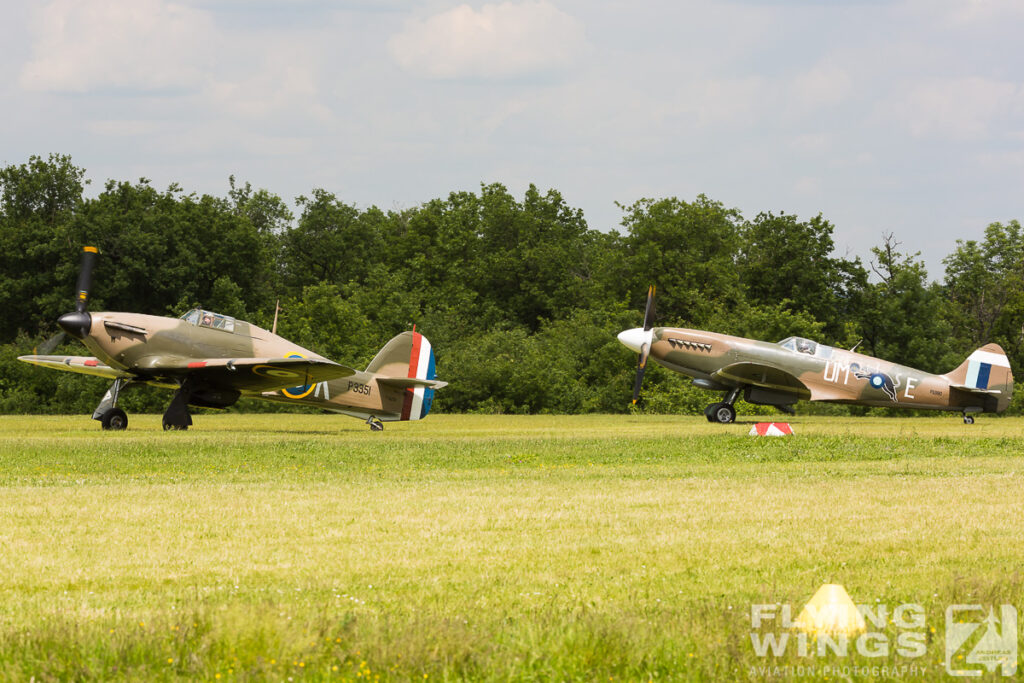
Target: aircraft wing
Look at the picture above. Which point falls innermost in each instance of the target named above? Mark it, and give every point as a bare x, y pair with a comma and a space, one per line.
84, 365
762, 375
246, 374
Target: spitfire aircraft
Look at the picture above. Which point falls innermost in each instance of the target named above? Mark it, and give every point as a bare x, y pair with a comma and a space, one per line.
782, 373
212, 360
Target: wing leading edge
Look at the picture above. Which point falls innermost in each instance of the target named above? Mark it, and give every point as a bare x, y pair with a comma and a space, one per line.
762, 375
83, 365
243, 374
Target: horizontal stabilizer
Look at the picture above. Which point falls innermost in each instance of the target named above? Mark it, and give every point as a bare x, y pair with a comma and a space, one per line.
83, 365
985, 377
975, 390
411, 382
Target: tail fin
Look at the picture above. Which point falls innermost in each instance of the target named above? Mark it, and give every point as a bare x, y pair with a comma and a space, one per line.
987, 371
407, 362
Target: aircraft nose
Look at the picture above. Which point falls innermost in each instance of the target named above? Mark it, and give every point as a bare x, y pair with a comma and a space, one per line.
76, 324
635, 338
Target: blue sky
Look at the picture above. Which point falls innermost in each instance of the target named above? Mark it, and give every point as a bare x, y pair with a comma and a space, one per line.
903, 116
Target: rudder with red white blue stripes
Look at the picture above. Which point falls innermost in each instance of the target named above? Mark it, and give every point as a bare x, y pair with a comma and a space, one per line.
418, 400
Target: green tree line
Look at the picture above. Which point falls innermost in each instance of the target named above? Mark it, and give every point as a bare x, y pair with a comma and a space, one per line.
520, 298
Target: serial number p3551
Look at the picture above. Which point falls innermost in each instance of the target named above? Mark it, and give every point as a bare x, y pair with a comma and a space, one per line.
359, 388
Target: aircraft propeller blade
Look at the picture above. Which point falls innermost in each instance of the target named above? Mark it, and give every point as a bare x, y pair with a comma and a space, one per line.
85, 279
78, 323
47, 347
641, 366
649, 309
645, 349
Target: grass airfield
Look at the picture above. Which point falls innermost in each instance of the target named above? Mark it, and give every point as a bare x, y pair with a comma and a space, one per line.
487, 548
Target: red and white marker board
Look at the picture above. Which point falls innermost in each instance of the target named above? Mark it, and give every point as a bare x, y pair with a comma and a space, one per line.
771, 429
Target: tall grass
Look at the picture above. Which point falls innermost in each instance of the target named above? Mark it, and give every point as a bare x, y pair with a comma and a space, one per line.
497, 548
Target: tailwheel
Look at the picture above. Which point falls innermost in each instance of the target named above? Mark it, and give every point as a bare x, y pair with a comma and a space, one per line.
375, 424
968, 419
114, 419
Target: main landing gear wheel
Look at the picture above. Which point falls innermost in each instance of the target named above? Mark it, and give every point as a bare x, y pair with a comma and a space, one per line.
168, 427
968, 419
720, 412
724, 413
375, 424
114, 419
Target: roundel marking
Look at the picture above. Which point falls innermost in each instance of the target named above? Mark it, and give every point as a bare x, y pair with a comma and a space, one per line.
877, 380
271, 371
297, 392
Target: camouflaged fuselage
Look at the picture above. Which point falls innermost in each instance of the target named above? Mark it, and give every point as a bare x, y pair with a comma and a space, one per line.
155, 339
358, 395
142, 343
826, 374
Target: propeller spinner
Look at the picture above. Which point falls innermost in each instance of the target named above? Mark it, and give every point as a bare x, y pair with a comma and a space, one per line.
78, 323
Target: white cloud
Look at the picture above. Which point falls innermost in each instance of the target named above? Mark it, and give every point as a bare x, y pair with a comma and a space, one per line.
811, 143
255, 82
150, 45
116, 127
282, 81
967, 12
823, 85
505, 40
962, 109
807, 185
1003, 161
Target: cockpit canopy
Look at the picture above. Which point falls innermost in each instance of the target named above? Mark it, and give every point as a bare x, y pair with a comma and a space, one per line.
198, 316
811, 348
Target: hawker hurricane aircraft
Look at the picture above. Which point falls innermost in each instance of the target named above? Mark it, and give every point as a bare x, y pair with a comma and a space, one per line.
782, 373
212, 360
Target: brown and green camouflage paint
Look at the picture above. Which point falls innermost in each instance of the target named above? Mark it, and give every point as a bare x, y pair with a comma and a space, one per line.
802, 369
